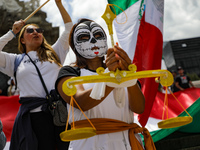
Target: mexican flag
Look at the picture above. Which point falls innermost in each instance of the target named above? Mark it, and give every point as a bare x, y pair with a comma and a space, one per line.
141, 37
189, 102
183, 100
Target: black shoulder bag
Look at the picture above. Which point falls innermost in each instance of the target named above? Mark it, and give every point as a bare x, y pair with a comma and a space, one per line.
56, 106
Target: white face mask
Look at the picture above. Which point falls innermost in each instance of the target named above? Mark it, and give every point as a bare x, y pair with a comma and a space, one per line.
90, 40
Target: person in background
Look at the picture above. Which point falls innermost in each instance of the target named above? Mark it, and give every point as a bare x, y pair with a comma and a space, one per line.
2, 137
4, 86
173, 87
12, 90
33, 128
89, 43
182, 81
174, 73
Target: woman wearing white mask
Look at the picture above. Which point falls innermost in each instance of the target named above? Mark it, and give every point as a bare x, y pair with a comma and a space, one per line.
112, 122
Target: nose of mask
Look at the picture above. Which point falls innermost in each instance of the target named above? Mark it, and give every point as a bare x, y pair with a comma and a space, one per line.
93, 40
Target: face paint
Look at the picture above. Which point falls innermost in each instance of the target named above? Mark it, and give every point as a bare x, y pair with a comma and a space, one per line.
90, 40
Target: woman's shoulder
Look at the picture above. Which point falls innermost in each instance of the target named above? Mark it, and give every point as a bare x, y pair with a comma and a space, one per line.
67, 71
68, 25
70, 67
70, 70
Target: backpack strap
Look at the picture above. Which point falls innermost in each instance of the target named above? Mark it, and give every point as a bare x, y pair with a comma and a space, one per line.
17, 62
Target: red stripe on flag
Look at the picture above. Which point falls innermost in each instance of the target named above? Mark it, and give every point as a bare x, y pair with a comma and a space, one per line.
186, 99
148, 56
9, 106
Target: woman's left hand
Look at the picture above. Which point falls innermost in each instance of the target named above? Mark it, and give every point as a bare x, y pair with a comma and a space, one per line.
117, 58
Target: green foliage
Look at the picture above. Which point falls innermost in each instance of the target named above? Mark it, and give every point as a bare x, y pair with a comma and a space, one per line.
193, 76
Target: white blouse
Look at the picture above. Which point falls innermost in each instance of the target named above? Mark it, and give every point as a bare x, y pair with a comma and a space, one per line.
106, 109
28, 80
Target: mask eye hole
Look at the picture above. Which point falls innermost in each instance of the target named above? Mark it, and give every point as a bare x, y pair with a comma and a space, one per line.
83, 37
98, 35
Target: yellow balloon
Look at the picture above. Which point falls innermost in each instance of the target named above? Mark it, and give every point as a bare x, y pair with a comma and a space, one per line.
118, 77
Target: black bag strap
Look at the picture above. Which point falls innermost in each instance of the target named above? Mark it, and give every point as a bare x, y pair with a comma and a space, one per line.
41, 79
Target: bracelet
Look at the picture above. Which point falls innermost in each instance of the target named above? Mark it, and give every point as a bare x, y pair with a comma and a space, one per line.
13, 33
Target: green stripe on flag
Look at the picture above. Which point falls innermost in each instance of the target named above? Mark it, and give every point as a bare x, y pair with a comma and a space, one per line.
193, 127
123, 4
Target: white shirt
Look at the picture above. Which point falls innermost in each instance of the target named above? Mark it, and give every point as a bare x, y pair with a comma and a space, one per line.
28, 80
106, 109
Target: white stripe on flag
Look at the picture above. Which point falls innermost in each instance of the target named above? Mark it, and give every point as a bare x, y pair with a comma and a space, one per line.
152, 123
163, 65
154, 13
127, 33
7, 146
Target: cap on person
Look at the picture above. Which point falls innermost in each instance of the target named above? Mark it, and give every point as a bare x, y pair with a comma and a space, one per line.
179, 68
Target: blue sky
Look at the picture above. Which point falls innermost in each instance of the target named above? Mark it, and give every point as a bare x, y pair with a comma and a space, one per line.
181, 17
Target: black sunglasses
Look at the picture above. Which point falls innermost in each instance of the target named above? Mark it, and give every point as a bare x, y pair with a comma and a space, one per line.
31, 30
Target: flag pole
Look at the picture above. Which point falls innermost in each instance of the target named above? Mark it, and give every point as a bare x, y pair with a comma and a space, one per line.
35, 11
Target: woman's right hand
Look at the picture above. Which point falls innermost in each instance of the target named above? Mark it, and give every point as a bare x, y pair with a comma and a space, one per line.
17, 26
117, 58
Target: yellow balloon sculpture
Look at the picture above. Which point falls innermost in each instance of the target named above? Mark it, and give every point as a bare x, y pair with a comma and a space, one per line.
118, 77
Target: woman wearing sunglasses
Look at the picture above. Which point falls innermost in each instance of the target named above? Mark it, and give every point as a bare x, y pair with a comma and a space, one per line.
34, 128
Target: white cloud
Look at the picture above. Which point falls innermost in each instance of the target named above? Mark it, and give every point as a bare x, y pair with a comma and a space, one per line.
53, 14
77, 9
181, 17
90, 9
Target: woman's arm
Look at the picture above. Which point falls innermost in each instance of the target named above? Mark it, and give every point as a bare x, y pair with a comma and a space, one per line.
3, 41
7, 37
136, 99
82, 96
11, 34
66, 17
61, 46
